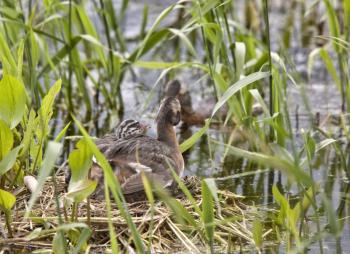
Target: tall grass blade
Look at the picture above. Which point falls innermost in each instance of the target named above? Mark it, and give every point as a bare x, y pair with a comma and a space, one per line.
237, 87
208, 214
52, 153
188, 143
113, 185
271, 161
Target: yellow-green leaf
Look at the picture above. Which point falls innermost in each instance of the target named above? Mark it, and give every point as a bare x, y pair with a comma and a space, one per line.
208, 211
45, 111
257, 233
6, 58
7, 200
237, 87
30, 127
188, 143
80, 161
6, 139
9, 160
80, 190
12, 100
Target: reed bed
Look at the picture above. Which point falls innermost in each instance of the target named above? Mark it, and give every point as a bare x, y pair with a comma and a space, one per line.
167, 234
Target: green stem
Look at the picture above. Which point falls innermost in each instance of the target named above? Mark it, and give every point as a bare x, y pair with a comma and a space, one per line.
74, 210
70, 71
8, 223
267, 34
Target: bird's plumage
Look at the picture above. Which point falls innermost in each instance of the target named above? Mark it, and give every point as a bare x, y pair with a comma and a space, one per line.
130, 156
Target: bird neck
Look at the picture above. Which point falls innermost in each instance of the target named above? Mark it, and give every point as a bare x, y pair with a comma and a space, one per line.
166, 134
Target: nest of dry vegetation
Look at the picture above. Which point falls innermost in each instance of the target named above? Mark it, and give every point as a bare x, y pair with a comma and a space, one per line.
167, 234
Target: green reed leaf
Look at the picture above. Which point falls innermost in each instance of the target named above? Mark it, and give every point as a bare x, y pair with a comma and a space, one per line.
180, 213
188, 143
152, 37
257, 96
330, 67
240, 52
149, 43
184, 38
57, 58
333, 22
257, 233
283, 164
62, 133
307, 199
91, 32
237, 87
82, 240
208, 212
59, 244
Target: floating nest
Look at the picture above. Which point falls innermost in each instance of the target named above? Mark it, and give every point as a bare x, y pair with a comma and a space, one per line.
232, 231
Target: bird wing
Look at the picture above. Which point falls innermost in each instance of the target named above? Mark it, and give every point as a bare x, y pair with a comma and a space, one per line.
141, 154
105, 142
135, 183
143, 150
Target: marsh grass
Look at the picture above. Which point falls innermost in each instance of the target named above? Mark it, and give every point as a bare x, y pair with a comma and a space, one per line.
44, 43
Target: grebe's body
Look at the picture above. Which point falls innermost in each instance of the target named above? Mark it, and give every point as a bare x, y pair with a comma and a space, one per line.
131, 155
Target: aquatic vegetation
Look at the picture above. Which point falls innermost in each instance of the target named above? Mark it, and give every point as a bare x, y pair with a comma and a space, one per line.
69, 69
